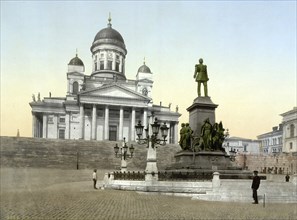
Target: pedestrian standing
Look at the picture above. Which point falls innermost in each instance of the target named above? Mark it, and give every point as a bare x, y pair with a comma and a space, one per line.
287, 178
255, 186
95, 178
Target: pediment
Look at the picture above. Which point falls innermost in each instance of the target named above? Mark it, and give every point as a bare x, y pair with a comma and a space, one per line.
114, 91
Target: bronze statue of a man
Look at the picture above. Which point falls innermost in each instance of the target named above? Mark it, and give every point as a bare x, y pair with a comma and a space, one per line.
200, 75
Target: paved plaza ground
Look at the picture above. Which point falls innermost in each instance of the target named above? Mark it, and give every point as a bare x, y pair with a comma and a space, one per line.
31, 193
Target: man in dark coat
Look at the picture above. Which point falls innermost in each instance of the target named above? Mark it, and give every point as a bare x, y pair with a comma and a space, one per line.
255, 186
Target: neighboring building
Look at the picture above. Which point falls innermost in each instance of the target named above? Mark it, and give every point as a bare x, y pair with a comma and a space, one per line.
104, 105
241, 145
290, 131
264, 163
272, 142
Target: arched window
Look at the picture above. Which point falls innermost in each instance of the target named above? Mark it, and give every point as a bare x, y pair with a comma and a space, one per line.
75, 88
292, 130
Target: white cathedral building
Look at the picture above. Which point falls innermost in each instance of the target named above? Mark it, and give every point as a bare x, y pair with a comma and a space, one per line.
104, 105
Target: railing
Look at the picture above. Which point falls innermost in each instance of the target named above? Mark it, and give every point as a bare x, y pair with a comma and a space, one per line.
129, 175
178, 176
184, 176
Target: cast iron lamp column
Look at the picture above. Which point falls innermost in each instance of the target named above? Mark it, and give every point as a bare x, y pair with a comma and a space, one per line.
152, 141
123, 154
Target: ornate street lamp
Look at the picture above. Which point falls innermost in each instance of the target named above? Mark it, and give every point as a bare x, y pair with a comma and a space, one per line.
152, 140
123, 154
156, 127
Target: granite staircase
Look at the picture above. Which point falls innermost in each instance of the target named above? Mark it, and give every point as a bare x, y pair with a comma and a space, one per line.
70, 154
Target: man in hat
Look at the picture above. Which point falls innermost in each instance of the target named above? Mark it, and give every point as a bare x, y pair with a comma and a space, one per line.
255, 186
95, 178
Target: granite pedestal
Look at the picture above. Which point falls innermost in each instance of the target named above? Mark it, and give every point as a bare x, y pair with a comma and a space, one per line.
201, 109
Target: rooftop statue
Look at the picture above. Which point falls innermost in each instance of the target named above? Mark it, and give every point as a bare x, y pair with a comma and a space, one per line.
201, 76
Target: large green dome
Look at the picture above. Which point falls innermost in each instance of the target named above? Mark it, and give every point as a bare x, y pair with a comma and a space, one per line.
109, 36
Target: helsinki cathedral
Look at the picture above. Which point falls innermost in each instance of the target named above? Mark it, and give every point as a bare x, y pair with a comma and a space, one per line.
102, 105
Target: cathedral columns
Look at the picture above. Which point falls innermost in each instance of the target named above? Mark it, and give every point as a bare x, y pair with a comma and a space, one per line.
93, 128
145, 118
67, 121
44, 126
176, 133
106, 124
33, 125
121, 123
169, 137
82, 121
133, 125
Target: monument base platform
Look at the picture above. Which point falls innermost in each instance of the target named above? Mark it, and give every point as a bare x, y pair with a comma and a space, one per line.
207, 162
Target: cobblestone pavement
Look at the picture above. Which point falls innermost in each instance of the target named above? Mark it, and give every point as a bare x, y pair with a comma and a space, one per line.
62, 194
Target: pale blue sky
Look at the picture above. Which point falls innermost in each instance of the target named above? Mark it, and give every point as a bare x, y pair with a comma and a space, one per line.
248, 46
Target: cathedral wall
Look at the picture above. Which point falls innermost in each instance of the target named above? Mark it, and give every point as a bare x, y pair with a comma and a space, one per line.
74, 130
99, 135
87, 130
52, 127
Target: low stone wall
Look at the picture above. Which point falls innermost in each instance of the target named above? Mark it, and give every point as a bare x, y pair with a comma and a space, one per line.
214, 190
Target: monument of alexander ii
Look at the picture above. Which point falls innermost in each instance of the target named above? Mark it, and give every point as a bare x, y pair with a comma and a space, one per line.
202, 138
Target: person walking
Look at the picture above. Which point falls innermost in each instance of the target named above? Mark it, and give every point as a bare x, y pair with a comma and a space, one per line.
95, 178
255, 186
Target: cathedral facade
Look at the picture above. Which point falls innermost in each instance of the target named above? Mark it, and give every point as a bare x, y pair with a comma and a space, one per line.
104, 105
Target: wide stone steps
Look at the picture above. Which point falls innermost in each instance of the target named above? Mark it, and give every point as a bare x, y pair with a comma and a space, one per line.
39, 152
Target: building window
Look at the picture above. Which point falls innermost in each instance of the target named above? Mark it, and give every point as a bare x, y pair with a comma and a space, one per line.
101, 65
61, 134
96, 66
109, 64
123, 67
292, 130
291, 145
62, 119
75, 88
144, 91
117, 67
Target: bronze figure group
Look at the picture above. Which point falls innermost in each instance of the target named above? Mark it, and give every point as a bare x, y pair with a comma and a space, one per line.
210, 139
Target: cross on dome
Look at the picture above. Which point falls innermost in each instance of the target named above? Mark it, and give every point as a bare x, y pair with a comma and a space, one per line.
109, 21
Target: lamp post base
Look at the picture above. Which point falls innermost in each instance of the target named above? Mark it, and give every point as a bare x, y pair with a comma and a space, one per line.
151, 171
123, 166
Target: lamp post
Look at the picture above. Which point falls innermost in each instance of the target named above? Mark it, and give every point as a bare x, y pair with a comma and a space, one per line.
152, 141
122, 152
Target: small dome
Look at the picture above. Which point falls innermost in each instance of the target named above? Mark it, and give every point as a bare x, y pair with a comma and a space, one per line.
144, 69
76, 61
